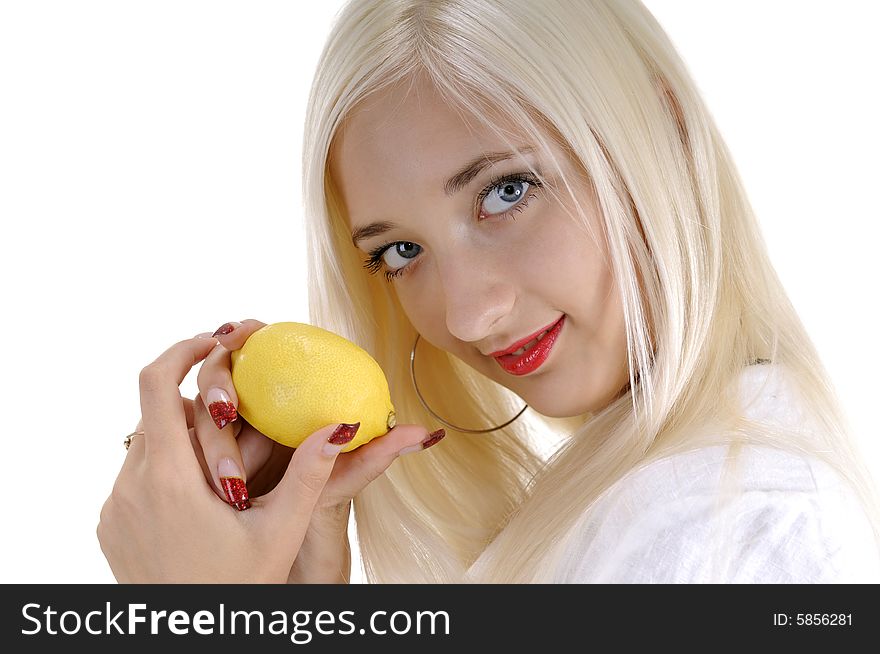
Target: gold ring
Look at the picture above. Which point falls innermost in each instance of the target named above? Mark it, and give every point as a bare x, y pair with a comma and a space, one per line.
127, 441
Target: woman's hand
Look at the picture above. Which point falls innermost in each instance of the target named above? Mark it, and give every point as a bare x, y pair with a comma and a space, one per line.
229, 453
325, 554
162, 523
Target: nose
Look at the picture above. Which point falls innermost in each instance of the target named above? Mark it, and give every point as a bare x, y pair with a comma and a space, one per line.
478, 295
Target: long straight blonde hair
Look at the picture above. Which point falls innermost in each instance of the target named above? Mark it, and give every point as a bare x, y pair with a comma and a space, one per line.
700, 297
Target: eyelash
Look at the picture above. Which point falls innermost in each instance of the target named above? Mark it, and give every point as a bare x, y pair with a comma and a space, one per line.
374, 262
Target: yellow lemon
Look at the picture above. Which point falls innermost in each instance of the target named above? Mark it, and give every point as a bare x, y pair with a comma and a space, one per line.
292, 379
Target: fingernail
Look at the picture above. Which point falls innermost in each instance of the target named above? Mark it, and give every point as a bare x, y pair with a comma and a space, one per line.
340, 437
221, 408
233, 485
204, 335
226, 328
433, 437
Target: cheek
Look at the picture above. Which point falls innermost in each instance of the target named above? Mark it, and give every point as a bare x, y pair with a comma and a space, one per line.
420, 300
573, 275
565, 265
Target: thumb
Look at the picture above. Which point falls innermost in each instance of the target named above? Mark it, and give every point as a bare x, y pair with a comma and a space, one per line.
310, 467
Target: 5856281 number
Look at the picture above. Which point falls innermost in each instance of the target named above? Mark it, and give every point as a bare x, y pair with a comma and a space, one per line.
824, 619
812, 619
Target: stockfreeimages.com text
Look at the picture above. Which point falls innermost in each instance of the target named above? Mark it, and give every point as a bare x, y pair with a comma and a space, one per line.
300, 626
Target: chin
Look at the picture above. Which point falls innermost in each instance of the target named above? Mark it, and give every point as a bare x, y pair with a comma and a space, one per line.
560, 410
575, 403
550, 404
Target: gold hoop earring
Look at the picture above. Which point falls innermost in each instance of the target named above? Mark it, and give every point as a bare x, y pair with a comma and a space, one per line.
412, 372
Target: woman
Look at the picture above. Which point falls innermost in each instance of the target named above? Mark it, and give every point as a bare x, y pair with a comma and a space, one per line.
548, 212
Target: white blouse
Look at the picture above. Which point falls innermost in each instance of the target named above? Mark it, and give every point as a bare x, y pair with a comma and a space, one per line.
795, 522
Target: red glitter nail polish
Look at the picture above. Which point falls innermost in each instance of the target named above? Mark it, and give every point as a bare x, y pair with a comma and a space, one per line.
433, 438
343, 434
236, 492
223, 413
225, 328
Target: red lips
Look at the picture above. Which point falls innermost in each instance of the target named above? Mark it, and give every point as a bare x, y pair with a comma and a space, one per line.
533, 358
523, 341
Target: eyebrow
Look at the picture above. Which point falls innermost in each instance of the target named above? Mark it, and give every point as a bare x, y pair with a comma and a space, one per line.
452, 186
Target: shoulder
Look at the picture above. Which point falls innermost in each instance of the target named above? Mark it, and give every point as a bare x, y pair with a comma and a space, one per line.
787, 518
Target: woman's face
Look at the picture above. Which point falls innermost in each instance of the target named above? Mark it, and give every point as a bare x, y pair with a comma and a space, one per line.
476, 275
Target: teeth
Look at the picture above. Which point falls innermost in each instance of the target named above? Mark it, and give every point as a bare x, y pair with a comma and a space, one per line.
530, 344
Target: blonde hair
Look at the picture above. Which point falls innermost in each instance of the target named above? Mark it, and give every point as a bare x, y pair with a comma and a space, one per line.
700, 297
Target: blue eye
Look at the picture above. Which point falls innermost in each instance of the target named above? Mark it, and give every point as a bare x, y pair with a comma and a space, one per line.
503, 196
402, 250
507, 194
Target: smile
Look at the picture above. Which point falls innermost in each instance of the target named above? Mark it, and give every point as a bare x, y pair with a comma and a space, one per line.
533, 354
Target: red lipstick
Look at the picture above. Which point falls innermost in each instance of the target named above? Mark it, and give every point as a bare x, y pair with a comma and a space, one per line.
532, 358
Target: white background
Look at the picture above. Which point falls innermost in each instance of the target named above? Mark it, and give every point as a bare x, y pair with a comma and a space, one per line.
149, 190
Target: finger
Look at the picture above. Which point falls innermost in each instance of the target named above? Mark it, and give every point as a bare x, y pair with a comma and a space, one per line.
136, 445
215, 387
355, 470
223, 460
135, 452
232, 335
256, 449
187, 407
197, 448
293, 500
162, 407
